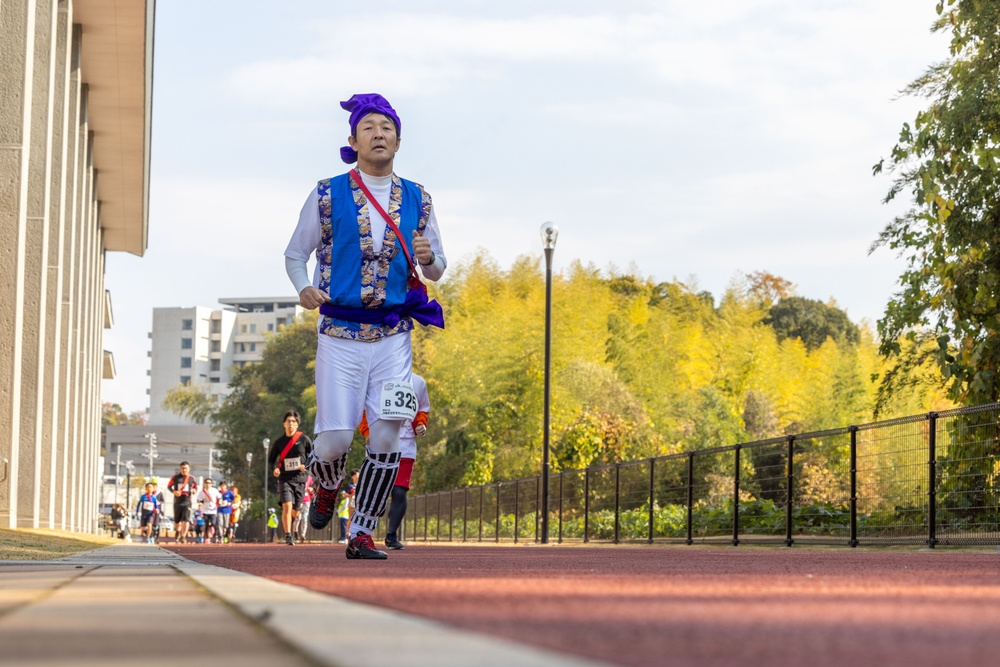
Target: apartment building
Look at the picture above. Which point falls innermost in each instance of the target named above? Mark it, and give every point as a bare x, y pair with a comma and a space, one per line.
201, 346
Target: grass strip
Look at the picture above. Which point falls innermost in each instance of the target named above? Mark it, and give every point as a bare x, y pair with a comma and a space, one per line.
41, 544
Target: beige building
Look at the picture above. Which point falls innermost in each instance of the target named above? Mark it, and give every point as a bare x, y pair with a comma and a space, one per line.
200, 346
76, 77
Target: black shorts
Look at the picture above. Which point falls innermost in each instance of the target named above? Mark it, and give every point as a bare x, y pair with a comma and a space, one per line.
146, 518
182, 509
292, 491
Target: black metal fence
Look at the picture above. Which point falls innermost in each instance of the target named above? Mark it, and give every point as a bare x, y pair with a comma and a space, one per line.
922, 480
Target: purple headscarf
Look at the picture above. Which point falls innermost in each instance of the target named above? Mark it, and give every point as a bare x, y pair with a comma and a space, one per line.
360, 106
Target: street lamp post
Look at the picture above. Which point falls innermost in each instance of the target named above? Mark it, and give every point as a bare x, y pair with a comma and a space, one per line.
129, 468
118, 467
267, 443
549, 235
249, 459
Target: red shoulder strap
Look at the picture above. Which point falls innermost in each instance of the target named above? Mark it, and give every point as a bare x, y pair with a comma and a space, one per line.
388, 220
288, 447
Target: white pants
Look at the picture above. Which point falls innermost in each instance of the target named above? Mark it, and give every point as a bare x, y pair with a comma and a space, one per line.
408, 448
350, 375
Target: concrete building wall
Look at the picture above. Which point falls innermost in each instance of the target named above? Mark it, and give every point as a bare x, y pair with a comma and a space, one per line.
74, 156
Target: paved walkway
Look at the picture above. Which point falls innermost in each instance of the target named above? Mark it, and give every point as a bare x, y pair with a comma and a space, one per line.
109, 606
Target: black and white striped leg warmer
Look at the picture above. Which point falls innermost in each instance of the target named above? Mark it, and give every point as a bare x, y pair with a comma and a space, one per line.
329, 474
375, 480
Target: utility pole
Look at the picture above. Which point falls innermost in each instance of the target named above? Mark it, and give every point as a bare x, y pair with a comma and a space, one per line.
212, 452
150, 452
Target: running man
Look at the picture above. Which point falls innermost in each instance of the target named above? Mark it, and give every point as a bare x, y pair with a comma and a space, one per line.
208, 503
409, 431
408, 448
183, 486
368, 229
287, 460
223, 518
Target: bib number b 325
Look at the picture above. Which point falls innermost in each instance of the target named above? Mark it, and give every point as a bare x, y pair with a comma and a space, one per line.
398, 401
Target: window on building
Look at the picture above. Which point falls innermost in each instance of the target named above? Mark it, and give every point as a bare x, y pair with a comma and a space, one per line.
216, 326
185, 379
281, 321
185, 362
214, 379
253, 347
270, 327
187, 325
215, 365
186, 343
243, 328
215, 346
253, 328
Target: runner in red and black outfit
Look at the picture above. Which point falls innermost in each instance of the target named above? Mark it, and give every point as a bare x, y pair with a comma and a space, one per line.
287, 459
183, 486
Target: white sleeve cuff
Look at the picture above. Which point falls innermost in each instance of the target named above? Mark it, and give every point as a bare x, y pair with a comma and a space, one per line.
434, 270
298, 273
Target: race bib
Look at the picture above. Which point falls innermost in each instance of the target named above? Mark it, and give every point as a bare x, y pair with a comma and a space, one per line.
398, 401
292, 464
147, 506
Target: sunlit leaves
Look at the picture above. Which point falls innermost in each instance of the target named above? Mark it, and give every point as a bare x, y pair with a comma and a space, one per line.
950, 161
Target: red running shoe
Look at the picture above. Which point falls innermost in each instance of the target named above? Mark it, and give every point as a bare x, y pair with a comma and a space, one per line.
362, 546
322, 509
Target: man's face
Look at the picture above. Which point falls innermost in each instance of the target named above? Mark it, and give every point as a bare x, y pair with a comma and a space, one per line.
375, 140
291, 424
222, 487
185, 469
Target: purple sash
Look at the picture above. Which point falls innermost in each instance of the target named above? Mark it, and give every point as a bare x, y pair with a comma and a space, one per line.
427, 313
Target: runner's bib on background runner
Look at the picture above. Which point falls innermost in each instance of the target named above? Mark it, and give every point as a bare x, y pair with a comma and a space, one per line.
398, 401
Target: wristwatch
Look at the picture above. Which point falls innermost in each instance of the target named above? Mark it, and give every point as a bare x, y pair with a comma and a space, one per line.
433, 258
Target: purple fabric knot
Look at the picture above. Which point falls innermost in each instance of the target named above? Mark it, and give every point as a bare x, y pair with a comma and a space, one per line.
360, 106
416, 305
348, 154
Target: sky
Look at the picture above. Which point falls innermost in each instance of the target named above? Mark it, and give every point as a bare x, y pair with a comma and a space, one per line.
676, 140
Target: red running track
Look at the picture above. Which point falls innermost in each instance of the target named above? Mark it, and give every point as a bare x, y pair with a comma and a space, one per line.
674, 606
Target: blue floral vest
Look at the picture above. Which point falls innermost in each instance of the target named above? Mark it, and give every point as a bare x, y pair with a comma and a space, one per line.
349, 269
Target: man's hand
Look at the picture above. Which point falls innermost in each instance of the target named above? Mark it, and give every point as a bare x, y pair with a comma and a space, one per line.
177, 494
277, 472
422, 252
420, 430
312, 298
